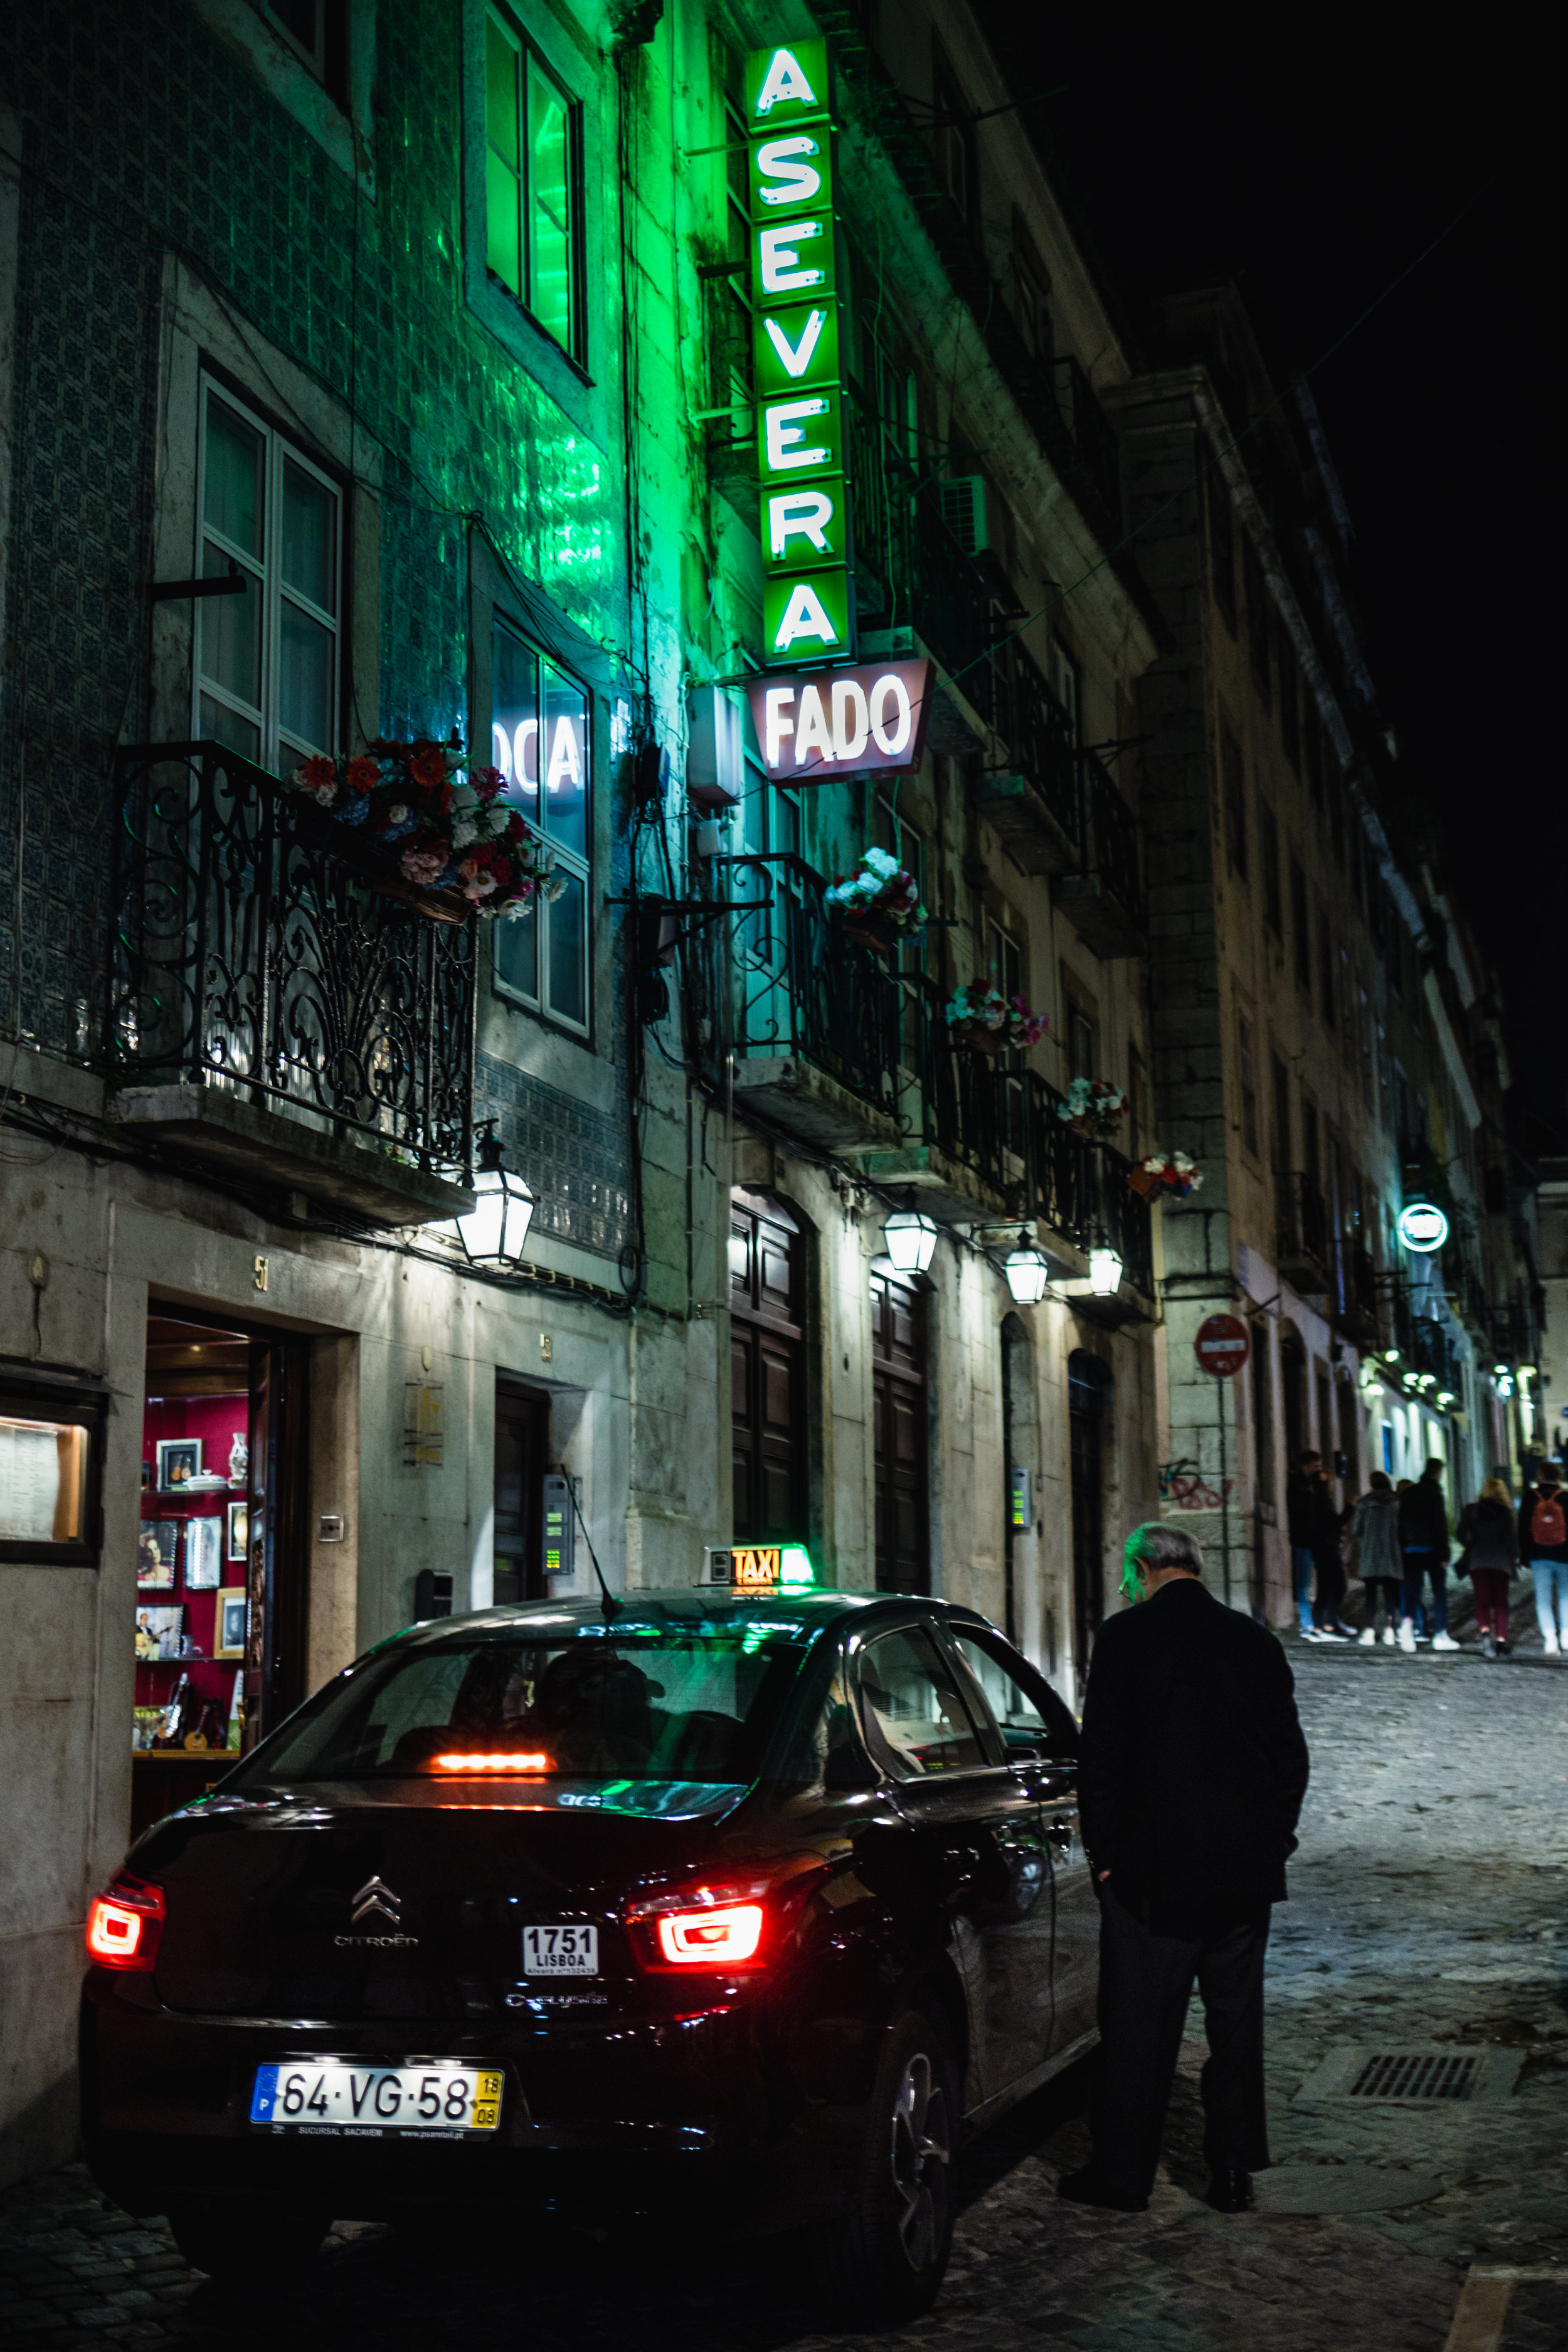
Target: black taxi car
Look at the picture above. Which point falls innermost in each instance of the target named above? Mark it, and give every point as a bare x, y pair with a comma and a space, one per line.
704, 1893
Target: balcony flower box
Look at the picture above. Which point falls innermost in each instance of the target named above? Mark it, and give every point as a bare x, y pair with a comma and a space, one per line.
879, 908
989, 1022
454, 850
1164, 1171
1093, 1109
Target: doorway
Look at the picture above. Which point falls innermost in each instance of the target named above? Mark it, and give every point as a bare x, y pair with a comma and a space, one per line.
767, 1359
1293, 1396
1089, 1385
521, 1459
899, 1440
222, 1592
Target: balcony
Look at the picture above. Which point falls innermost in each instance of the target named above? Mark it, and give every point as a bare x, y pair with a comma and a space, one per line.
1091, 431
1104, 901
810, 1023
1428, 1352
1304, 1255
1359, 1305
1036, 813
283, 1006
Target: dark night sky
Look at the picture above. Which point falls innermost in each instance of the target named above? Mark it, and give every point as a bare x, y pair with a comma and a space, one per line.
1314, 171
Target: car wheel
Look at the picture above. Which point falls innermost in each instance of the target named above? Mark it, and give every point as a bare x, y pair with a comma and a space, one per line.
884, 2260
256, 2242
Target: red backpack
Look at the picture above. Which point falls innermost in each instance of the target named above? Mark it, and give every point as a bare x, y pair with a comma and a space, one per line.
1548, 1527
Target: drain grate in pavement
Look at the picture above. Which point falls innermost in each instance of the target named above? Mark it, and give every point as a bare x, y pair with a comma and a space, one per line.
1428, 2077
1402, 2075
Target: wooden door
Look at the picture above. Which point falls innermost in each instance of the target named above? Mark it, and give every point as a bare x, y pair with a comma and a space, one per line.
522, 1458
768, 1403
898, 1422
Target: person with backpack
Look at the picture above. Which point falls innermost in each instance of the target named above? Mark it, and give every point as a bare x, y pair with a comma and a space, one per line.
1423, 1540
1379, 1561
1544, 1548
1489, 1557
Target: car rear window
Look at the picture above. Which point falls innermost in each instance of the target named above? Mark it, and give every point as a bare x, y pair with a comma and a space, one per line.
684, 1701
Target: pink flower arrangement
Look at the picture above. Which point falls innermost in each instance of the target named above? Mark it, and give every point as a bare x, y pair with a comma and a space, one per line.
1008, 1019
450, 828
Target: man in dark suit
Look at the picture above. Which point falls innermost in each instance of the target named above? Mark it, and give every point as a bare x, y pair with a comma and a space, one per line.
1191, 1779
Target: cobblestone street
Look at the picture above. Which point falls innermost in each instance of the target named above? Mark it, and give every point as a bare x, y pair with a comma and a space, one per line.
1428, 1910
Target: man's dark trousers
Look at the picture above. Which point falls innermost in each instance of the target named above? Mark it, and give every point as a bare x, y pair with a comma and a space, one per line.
1145, 1983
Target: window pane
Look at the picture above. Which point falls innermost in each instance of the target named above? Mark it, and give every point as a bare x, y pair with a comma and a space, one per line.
565, 761
1017, 1717
516, 941
550, 194
514, 715
230, 633
501, 93
915, 1720
232, 490
567, 929
225, 727
310, 557
502, 197
305, 682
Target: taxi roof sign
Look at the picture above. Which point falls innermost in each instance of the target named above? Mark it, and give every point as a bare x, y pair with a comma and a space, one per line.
757, 1568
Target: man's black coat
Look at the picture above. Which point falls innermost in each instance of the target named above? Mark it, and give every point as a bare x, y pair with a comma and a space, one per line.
1193, 1764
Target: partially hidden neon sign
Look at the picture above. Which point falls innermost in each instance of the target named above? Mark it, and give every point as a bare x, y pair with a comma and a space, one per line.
794, 271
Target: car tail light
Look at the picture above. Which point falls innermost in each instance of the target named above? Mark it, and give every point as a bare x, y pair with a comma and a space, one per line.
505, 1761
738, 1921
124, 1923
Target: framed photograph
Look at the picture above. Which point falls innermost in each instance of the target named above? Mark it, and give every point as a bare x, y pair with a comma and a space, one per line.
158, 1632
239, 1532
204, 1541
157, 1553
179, 1459
228, 1627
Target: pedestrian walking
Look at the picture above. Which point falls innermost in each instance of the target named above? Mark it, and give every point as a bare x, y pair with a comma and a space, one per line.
1300, 1511
1544, 1548
1489, 1557
1191, 1779
1425, 1542
1328, 1560
1379, 1559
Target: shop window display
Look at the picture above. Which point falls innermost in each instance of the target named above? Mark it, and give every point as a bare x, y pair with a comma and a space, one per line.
196, 1452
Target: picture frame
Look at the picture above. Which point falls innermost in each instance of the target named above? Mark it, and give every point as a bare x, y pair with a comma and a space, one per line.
157, 1554
179, 1459
230, 1624
203, 1566
239, 1531
159, 1632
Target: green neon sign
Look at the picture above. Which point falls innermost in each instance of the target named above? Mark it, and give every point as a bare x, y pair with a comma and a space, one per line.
808, 610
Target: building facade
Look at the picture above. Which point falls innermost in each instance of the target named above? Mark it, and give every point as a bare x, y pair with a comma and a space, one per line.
374, 375
1325, 1043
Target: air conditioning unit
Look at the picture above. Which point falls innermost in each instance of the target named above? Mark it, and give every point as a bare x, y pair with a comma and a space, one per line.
963, 502
715, 755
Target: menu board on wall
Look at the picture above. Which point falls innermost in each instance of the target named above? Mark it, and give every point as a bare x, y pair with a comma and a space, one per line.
30, 1479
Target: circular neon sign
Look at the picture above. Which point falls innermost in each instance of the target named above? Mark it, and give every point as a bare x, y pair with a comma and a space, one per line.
1423, 1226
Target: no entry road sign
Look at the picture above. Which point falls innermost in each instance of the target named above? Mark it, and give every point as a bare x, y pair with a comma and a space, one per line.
1222, 1346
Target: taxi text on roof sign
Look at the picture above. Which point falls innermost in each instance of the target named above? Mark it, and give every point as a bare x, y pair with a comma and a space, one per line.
794, 273
759, 1568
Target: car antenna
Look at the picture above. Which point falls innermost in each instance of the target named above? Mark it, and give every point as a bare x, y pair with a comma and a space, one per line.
607, 1602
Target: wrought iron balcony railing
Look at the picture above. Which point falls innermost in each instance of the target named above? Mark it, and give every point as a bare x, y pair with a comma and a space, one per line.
1304, 1253
1080, 1190
1040, 735
266, 955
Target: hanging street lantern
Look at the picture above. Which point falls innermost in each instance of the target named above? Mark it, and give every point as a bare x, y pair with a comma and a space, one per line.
910, 1237
493, 1232
1027, 1274
1104, 1271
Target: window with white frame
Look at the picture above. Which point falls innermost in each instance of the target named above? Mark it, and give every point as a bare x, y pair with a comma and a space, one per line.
267, 656
540, 734
533, 183
317, 32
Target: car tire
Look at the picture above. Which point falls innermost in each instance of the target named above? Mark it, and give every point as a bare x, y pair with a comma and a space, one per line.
245, 2241
884, 2260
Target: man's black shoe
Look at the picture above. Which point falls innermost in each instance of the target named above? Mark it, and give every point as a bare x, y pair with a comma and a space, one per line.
1089, 2187
1231, 2191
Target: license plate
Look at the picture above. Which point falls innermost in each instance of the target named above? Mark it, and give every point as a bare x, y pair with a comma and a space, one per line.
561, 1951
333, 2101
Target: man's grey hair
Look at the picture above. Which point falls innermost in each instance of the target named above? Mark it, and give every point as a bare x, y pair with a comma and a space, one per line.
1157, 1546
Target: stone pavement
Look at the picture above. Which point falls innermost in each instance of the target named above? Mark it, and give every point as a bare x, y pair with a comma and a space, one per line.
1428, 1910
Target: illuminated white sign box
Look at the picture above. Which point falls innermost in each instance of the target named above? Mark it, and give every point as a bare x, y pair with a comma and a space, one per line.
842, 722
